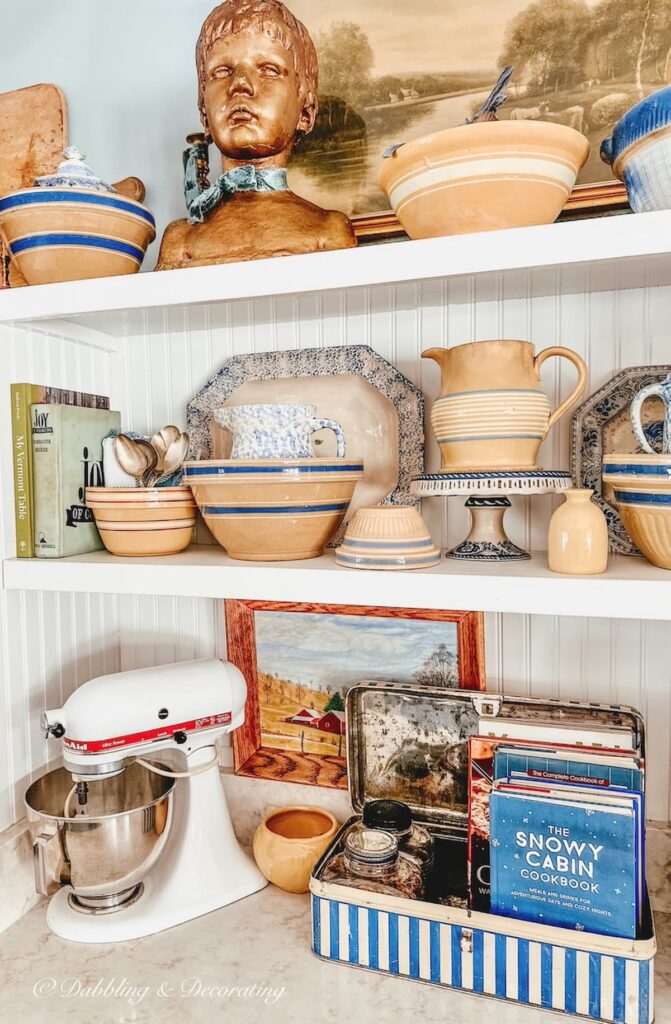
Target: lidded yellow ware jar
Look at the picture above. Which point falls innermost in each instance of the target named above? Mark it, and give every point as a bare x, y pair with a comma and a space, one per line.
578, 536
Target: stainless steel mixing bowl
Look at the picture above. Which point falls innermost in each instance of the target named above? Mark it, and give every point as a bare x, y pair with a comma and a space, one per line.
108, 849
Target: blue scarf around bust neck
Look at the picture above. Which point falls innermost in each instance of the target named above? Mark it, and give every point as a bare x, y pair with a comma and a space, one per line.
246, 178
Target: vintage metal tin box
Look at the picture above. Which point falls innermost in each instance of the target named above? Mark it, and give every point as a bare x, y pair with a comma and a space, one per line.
411, 744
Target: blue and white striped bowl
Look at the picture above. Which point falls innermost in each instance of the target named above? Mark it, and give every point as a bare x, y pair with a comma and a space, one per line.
273, 509
67, 234
642, 490
639, 152
387, 538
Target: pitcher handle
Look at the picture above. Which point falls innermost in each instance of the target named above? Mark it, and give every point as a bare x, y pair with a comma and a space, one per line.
581, 384
663, 389
337, 430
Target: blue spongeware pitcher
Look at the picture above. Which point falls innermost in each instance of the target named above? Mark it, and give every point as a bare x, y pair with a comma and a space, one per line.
275, 431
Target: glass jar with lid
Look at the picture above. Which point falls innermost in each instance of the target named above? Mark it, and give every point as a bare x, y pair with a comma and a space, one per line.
370, 860
395, 817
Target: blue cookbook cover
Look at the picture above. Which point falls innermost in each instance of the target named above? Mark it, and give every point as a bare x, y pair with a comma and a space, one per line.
564, 863
562, 766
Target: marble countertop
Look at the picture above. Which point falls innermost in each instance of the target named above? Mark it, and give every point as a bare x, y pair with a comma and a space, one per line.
249, 963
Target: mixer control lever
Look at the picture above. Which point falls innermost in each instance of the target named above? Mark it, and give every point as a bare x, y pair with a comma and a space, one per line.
180, 736
56, 730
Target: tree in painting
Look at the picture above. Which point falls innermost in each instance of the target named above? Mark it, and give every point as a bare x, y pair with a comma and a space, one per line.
547, 43
335, 703
439, 669
345, 61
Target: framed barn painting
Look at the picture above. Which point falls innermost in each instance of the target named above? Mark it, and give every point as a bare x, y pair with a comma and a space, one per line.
392, 70
299, 661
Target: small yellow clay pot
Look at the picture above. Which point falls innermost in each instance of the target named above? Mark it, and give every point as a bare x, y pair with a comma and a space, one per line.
146, 539
289, 842
578, 536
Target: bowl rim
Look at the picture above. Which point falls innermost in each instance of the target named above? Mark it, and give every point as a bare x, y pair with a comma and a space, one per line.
335, 824
414, 148
171, 782
251, 464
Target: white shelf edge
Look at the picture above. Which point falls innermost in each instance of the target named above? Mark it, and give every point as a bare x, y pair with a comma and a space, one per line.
631, 589
599, 240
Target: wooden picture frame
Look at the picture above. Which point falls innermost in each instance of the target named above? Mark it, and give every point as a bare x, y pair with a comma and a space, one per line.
251, 757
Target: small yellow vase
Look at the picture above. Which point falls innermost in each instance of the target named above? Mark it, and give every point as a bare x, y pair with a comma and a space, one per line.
578, 536
289, 842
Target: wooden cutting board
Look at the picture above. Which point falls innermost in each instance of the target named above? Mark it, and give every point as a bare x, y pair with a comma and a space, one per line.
33, 135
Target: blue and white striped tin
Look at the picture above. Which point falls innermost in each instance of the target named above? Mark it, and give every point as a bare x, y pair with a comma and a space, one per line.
595, 976
599, 978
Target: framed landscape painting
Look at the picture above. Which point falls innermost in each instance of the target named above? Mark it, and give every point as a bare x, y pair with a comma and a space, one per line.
299, 661
393, 70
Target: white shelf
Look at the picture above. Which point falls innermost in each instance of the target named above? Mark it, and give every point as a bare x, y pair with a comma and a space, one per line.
602, 252
631, 589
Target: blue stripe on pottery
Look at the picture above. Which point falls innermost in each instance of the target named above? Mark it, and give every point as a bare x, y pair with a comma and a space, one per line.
373, 940
88, 241
642, 498
349, 467
640, 469
490, 391
246, 510
375, 562
487, 437
59, 195
382, 544
513, 474
523, 970
645, 117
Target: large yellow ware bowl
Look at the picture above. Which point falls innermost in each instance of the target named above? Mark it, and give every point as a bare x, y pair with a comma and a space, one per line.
642, 491
481, 177
67, 234
273, 509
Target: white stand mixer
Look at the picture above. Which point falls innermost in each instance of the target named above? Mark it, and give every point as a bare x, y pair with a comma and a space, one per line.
108, 723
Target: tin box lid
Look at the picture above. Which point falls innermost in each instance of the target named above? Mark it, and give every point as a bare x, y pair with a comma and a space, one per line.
410, 743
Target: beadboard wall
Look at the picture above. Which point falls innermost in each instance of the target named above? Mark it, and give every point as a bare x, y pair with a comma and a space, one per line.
52, 642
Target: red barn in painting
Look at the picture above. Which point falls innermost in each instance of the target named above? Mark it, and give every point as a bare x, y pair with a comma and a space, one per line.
333, 721
306, 716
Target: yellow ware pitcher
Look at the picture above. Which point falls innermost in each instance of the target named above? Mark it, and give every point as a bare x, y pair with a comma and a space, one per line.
492, 414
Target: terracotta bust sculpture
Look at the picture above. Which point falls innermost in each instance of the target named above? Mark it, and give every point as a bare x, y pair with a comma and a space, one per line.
257, 93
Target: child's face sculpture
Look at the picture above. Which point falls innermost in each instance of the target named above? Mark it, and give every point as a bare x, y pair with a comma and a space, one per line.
252, 97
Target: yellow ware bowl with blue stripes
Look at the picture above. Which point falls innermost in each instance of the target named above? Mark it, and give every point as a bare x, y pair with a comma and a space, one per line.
69, 234
642, 491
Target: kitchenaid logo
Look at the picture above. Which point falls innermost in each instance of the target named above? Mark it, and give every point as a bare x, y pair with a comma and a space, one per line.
133, 994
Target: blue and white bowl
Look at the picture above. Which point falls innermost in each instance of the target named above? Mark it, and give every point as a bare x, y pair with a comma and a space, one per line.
639, 151
642, 490
273, 509
68, 234
387, 538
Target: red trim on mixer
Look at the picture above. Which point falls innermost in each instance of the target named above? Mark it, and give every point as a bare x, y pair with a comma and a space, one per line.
149, 735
